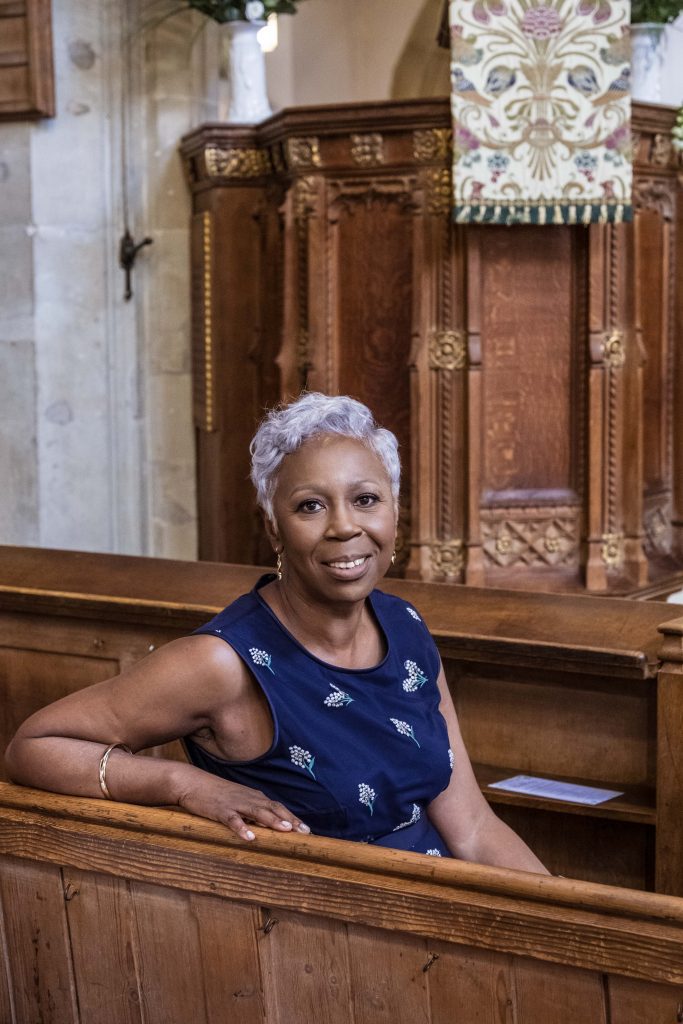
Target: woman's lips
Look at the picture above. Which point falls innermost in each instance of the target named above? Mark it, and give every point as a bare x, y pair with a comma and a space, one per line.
348, 568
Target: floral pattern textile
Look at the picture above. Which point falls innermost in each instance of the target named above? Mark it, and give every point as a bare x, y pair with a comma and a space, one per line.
541, 111
356, 753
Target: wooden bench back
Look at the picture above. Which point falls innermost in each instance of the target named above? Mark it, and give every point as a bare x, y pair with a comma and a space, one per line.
118, 913
571, 687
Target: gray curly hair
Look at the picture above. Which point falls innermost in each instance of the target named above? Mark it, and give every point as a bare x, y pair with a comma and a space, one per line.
287, 427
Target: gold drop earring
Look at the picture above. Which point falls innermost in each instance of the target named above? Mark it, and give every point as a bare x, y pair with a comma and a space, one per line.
278, 567
393, 558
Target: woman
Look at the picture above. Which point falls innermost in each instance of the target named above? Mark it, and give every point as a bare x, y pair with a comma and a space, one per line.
314, 703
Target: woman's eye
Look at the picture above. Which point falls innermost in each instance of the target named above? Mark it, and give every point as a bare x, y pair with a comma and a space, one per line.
311, 505
366, 500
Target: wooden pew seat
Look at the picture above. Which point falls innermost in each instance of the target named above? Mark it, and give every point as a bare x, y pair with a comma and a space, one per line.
113, 913
573, 688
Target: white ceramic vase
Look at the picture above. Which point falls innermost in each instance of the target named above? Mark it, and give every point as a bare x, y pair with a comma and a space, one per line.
648, 43
248, 99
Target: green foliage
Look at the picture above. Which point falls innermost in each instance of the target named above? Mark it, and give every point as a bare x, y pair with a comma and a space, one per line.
223, 11
658, 11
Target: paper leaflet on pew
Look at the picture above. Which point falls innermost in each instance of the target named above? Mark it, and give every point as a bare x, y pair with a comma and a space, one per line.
551, 789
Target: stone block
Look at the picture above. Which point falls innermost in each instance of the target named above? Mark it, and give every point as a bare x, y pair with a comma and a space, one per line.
16, 273
18, 454
15, 174
167, 302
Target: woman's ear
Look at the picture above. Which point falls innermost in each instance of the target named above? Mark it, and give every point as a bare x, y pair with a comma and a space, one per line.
272, 532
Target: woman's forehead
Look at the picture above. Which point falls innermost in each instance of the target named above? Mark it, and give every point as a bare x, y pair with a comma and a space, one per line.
330, 457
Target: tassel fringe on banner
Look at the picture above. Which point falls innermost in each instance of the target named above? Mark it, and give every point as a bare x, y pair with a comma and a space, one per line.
560, 213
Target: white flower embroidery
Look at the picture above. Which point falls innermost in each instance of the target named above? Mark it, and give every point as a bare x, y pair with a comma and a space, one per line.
404, 729
254, 10
433, 853
261, 658
302, 759
411, 611
415, 817
337, 699
451, 758
416, 677
366, 795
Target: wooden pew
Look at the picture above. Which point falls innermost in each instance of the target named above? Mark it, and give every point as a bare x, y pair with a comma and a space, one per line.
569, 687
113, 913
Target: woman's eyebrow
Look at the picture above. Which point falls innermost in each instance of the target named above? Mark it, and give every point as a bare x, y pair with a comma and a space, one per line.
321, 488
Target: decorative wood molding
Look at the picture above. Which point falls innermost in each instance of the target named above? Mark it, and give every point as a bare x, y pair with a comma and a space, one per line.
447, 558
439, 190
432, 145
237, 162
612, 550
301, 153
447, 350
613, 350
532, 537
367, 150
655, 194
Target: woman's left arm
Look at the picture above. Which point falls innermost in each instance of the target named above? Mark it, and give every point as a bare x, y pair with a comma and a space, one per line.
462, 815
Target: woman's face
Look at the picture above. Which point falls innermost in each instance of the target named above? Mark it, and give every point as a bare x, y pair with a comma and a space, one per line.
334, 518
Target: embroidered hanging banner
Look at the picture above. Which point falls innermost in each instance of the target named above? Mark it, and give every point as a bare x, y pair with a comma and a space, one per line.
541, 111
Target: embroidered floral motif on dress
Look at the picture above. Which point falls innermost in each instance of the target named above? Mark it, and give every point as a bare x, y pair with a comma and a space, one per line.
541, 111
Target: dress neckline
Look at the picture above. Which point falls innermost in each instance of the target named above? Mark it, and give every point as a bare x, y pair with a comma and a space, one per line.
269, 577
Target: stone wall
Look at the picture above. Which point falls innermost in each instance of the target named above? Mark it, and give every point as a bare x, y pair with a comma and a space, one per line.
96, 445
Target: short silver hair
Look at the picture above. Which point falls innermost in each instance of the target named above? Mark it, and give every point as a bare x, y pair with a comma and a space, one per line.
287, 427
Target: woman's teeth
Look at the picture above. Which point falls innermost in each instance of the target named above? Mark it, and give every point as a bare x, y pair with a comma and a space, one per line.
347, 565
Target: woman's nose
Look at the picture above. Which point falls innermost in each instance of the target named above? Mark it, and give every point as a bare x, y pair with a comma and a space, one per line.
342, 522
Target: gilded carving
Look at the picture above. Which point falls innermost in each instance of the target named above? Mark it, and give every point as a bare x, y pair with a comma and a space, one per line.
537, 539
432, 144
277, 159
613, 350
612, 550
662, 148
635, 144
367, 150
303, 152
305, 192
236, 162
447, 558
207, 244
439, 192
447, 350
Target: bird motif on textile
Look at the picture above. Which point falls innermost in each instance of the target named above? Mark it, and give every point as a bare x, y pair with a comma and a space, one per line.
617, 89
499, 79
584, 79
466, 88
619, 50
462, 50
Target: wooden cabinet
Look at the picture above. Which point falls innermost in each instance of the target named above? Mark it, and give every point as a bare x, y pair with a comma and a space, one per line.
26, 74
528, 373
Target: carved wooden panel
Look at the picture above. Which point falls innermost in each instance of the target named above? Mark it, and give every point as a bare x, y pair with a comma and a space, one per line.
528, 373
26, 74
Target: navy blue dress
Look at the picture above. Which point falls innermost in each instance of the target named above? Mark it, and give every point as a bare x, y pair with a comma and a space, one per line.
357, 753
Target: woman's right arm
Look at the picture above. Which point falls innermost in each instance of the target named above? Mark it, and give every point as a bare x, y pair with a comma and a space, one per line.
188, 684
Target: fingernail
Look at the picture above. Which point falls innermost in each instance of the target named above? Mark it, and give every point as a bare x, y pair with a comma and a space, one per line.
286, 824
303, 828
249, 834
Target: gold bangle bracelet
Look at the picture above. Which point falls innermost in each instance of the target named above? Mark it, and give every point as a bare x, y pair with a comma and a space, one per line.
103, 767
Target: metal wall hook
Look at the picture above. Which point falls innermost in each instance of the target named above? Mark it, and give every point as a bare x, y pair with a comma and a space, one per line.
128, 250
433, 957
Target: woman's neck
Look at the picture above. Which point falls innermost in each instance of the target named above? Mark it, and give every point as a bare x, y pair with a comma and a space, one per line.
343, 634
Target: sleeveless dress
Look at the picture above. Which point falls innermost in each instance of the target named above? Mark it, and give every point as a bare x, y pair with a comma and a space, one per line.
357, 753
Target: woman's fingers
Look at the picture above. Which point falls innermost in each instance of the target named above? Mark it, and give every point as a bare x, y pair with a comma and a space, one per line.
274, 815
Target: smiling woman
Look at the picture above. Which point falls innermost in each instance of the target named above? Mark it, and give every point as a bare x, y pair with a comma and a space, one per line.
315, 702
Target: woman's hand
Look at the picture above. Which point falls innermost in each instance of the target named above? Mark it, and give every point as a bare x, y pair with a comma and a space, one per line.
229, 803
